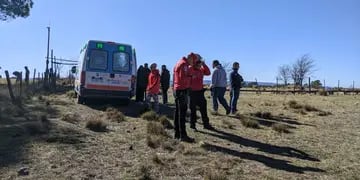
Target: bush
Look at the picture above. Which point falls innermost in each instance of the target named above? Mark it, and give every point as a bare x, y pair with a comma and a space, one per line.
281, 128
115, 115
150, 116
165, 122
96, 124
155, 128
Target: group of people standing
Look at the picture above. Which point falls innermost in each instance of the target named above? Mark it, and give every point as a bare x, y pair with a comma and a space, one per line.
188, 88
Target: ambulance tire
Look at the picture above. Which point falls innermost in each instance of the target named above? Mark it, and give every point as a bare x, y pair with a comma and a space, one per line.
80, 99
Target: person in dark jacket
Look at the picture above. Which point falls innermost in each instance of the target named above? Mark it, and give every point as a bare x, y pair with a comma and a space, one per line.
141, 84
165, 83
235, 80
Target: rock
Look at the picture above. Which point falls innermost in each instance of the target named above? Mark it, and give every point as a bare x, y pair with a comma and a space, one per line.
24, 171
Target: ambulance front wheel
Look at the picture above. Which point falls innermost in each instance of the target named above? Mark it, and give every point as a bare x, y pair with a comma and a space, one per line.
80, 99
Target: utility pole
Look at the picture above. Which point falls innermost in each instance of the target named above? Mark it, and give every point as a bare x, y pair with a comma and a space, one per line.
46, 81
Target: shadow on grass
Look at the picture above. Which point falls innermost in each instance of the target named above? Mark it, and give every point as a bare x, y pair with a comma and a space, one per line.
267, 148
268, 161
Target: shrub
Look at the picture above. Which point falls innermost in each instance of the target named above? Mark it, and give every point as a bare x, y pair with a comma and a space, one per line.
150, 116
281, 128
96, 124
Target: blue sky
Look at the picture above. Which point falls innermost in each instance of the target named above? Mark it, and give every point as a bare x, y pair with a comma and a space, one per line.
260, 34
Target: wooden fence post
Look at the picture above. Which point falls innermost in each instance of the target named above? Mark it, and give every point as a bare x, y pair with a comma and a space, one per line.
39, 79
309, 85
10, 86
34, 76
21, 85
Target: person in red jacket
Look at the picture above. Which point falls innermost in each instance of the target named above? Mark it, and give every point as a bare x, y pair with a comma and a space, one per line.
197, 98
153, 87
182, 78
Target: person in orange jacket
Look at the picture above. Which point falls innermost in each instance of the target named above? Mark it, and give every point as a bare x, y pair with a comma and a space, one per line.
153, 87
197, 98
181, 86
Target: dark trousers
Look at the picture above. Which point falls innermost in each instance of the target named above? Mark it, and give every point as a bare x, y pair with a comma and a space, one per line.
140, 94
180, 113
197, 98
234, 96
165, 95
218, 94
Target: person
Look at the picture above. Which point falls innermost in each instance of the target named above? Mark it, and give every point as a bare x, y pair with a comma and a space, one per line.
141, 84
27, 76
153, 87
218, 87
197, 98
165, 83
235, 81
182, 78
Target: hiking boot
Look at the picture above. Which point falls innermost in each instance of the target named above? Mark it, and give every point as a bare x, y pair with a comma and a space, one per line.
187, 139
228, 111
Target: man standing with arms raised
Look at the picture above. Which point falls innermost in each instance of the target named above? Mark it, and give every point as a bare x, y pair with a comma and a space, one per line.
182, 78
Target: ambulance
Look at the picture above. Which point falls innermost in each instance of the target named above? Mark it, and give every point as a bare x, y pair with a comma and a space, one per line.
106, 70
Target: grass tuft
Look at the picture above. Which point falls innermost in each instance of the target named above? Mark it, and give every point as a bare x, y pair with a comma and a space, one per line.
156, 160
294, 104
96, 124
155, 128
228, 124
324, 113
150, 116
264, 115
322, 92
115, 115
70, 118
250, 123
165, 122
310, 108
71, 94
153, 141
144, 172
281, 128
214, 175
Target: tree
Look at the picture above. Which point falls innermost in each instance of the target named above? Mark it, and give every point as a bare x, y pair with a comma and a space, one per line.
284, 73
302, 68
11, 9
316, 84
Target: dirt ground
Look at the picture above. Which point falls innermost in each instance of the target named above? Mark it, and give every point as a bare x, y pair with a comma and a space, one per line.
323, 142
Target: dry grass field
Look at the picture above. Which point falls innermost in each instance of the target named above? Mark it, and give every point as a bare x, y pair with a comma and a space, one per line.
272, 137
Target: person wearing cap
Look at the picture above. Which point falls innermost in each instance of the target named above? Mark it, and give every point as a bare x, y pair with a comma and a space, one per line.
197, 98
182, 78
153, 87
218, 87
165, 83
235, 81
